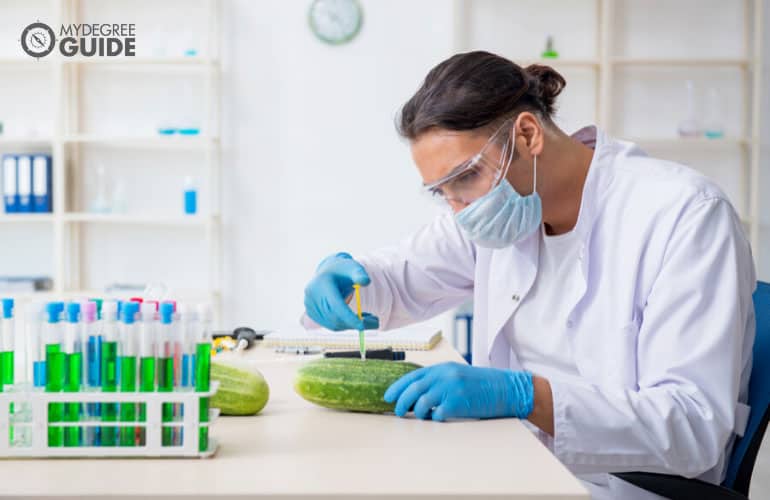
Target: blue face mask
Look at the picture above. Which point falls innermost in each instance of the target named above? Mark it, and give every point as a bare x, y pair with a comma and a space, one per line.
501, 217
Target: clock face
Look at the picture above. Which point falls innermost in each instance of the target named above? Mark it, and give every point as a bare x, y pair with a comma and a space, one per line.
335, 21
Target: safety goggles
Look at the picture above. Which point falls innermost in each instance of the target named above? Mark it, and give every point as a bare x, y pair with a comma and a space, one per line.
475, 177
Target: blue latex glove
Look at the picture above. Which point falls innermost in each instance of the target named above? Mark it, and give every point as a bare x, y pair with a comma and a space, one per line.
327, 292
454, 390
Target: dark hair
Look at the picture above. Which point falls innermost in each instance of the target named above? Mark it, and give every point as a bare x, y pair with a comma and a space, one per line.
478, 89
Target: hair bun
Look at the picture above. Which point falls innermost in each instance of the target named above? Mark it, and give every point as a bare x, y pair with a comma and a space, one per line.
548, 84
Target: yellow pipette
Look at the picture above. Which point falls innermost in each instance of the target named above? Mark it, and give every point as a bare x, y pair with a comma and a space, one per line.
361, 345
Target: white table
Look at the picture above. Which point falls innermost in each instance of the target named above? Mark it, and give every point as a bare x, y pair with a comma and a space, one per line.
294, 449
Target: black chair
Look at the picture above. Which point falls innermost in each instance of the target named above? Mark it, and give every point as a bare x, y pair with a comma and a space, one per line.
738, 479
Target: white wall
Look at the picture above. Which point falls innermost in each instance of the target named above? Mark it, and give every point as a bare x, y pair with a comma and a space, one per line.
313, 164
763, 257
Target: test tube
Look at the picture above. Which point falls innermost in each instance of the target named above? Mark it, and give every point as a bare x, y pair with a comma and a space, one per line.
7, 334
185, 367
109, 366
35, 352
73, 350
98, 303
147, 360
7, 368
185, 341
26, 359
55, 370
127, 350
166, 367
203, 369
92, 342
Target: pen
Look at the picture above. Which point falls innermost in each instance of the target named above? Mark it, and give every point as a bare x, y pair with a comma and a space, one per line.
361, 345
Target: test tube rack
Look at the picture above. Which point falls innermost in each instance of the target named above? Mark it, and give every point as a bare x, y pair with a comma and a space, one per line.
30, 418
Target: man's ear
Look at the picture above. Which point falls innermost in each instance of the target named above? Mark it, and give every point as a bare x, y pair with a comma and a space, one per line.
528, 127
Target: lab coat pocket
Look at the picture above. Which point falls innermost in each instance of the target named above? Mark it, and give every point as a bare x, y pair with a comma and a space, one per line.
621, 350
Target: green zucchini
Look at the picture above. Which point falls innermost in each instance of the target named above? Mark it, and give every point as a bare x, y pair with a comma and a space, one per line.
350, 384
241, 391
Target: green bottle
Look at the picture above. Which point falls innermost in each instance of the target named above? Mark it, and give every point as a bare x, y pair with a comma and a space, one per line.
550, 51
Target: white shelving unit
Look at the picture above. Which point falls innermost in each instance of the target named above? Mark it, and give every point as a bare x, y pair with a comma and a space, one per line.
66, 142
606, 64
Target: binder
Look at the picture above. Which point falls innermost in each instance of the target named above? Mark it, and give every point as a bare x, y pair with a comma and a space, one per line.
24, 183
405, 339
10, 187
41, 183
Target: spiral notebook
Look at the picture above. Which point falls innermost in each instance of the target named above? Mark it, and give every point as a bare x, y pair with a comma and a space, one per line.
406, 339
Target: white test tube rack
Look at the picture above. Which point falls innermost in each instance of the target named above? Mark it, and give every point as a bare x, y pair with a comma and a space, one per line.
37, 420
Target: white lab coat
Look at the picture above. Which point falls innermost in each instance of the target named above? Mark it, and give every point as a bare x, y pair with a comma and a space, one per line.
661, 329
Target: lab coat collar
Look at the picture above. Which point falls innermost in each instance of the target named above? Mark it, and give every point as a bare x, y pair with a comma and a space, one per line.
512, 270
598, 180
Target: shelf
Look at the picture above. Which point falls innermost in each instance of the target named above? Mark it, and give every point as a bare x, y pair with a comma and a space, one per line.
28, 142
148, 220
665, 61
22, 218
175, 141
559, 63
43, 295
48, 62
139, 61
181, 295
26, 62
686, 142
46, 295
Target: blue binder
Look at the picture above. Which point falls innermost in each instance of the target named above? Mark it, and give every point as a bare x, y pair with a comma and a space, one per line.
41, 183
10, 185
24, 183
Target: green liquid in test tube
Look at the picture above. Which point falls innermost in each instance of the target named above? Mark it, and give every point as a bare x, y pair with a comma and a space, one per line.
6, 364
166, 368
55, 371
147, 359
127, 349
7, 334
72, 435
127, 410
7, 345
203, 371
109, 369
73, 350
